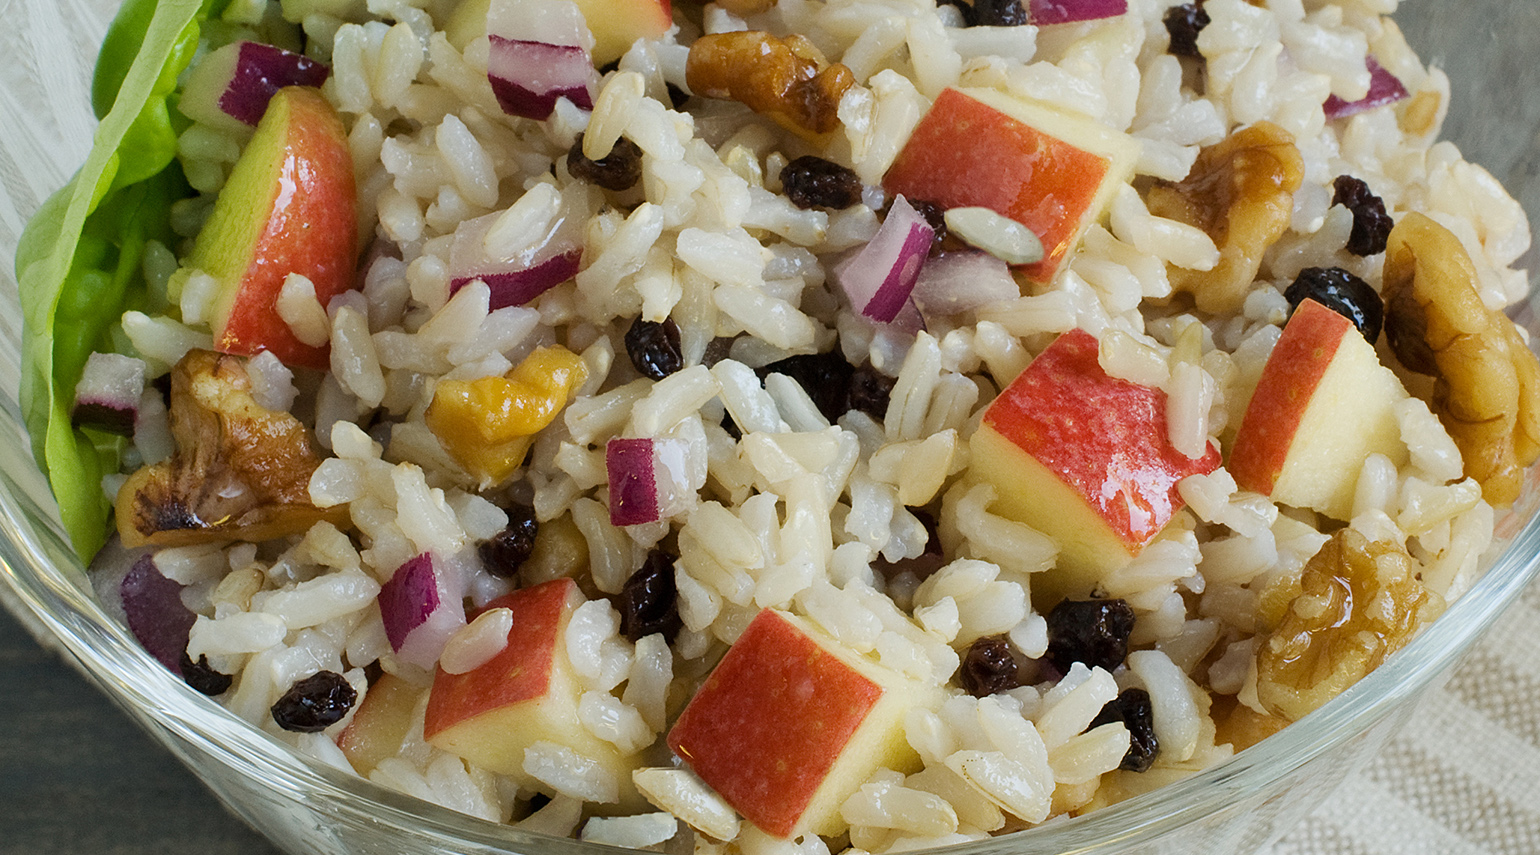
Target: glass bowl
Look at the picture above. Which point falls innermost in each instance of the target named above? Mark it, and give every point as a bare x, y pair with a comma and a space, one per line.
1486, 47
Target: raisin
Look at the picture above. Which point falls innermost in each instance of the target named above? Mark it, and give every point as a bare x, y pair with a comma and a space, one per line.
677, 97
1184, 23
649, 602
924, 564
824, 376
1371, 224
618, 170
502, 553
870, 391
717, 350
1132, 708
969, 19
654, 348
202, 677
1343, 293
812, 182
935, 217
314, 703
1091, 631
999, 13
731, 427
988, 668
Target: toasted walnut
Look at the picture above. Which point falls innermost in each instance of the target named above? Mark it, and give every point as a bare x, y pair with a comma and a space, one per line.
1486, 387
787, 79
1241, 192
240, 472
1360, 601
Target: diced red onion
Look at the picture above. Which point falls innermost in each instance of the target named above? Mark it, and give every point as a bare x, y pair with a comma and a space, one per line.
550, 260
107, 396
649, 479
880, 277
231, 87
422, 606
1047, 12
527, 77
1384, 88
151, 604
955, 282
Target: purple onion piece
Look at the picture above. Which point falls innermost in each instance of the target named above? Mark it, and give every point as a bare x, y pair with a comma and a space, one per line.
528, 77
107, 396
408, 599
880, 277
517, 287
1048, 12
260, 71
155, 613
633, 487
955, 282
1384, 89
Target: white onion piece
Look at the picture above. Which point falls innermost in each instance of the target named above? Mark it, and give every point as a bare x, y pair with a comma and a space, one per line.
230, 88
649, 479
879, 278
547, 257
1043, 13
422, 607
528, 77
107, 396
955, 282
1384, 88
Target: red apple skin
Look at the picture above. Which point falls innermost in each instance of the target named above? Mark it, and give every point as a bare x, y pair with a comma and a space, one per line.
1103, 437
966, 153
771, 720
520, 673
1289, 379
290, 206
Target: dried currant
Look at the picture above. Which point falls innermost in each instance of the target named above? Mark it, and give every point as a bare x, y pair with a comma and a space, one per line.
924, 564
1091, 631
654, 348
870, 391
1371, 224
988, 667
1132, 707
935, 217
1343, 293
502, 553
999, 13
813, 182
618, 170
824, 376
649, 601
202, 676
314, 703
1183, 24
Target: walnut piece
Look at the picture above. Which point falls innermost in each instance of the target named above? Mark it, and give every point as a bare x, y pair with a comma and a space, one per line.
788, 79
1241, 193
240, 472
1486, 388
1360, 601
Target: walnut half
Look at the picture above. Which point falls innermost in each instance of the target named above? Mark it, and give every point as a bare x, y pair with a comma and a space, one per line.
788, 79
240, 472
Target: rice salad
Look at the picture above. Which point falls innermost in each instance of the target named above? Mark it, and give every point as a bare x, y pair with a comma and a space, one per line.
802, 425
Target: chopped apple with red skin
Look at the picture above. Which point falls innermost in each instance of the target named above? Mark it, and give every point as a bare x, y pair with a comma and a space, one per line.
528, 693
1323, 405
615, 24
1052, 172
790, 724
381, 723
1084, 458
290, 206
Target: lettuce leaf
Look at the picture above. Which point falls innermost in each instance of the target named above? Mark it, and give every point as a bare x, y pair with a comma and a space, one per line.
79, 260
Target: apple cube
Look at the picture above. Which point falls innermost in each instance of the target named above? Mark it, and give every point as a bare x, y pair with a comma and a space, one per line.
528, 693
290, 206
1084, 458
381, 723
1052, 172
1324, 403
790, 724
614, 24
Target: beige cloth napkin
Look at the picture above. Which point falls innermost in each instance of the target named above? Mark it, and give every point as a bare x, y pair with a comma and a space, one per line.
1463, 777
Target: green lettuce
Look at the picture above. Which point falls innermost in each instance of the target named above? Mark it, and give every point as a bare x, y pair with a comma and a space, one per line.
79, 260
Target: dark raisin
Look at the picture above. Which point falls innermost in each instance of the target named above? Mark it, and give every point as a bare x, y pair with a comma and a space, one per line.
618, 170
731, 427
999, 13
649, 602
1343, 293
870, 390
654, 348
1183, 23
202, 677
969, 19
935, 217
502, 553
314, 703
824, 376
717, 350
1132, 708
1091, 631
924, 564
1371, 224
812, 182
677, 97
988, 667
